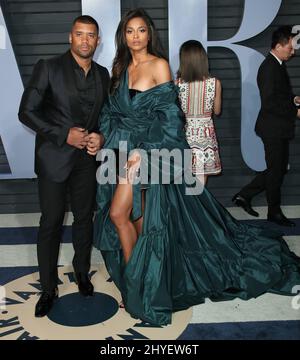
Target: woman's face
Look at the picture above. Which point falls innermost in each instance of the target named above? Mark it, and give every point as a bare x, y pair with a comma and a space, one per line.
137, 34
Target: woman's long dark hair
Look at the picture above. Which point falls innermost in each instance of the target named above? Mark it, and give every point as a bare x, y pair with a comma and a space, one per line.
123, 56
193, 62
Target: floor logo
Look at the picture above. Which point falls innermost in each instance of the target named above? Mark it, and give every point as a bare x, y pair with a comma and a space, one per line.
75, 317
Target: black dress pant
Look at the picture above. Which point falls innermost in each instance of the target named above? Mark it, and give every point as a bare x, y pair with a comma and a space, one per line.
81, 184
277, 157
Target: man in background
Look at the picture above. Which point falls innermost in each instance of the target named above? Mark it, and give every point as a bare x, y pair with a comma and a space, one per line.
275, 125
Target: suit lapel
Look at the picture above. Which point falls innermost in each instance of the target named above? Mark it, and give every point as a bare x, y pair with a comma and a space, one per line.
285, 74
274, 60
282, 70
71, 88
94, 114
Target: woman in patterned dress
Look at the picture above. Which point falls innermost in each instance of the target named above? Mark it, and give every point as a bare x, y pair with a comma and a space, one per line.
200, 98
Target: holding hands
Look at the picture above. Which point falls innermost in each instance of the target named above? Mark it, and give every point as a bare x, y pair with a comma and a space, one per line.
77, 137
80, 138
95, 142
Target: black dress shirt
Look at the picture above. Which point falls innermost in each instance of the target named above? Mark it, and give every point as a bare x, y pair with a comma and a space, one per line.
86, 87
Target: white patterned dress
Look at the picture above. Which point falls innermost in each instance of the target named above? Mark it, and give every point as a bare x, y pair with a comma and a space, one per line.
197, 101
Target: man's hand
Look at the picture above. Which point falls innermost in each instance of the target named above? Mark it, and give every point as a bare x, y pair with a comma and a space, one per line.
298, 113
95, 142
77, 137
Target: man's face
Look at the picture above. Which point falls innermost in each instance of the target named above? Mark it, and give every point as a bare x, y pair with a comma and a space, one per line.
84, 40
286, 51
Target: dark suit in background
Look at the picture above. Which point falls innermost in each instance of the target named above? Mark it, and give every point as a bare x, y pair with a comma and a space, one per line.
58, 98
276, 127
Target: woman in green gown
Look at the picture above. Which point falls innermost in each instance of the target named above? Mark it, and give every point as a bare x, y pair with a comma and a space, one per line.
166, 250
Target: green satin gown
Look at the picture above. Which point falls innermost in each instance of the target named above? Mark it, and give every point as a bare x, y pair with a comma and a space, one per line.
190, 248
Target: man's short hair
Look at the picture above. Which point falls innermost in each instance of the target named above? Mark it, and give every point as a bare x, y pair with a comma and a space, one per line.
282, 36
86, 19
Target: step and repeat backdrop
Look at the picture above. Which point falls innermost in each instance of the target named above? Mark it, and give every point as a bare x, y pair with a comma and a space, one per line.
236, 34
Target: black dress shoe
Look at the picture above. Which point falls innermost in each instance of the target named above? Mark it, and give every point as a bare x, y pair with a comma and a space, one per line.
45, 303
85, 286
245, 204
281, 220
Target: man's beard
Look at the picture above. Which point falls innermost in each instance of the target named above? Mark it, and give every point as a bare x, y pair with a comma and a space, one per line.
85, 55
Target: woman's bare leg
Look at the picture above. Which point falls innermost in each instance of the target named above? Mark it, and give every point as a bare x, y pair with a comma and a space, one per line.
120, 211
138, 224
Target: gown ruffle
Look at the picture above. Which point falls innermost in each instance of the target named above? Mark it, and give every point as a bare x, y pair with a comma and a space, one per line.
190, 248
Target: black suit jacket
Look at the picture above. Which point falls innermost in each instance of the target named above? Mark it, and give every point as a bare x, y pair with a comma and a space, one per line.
50, 106
276, 118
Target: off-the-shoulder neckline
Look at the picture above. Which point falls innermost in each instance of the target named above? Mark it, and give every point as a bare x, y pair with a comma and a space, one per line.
150, 89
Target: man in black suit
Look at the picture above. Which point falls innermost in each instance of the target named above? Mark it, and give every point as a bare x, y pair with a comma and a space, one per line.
61, 104
275, 125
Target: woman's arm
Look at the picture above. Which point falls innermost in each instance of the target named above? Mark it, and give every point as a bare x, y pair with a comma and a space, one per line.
218, 98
